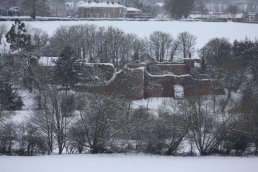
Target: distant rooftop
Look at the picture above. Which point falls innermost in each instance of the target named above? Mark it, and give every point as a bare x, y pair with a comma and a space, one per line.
94, 4
132, 9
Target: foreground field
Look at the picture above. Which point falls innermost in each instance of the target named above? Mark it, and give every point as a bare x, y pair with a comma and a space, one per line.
126, 163
204, 31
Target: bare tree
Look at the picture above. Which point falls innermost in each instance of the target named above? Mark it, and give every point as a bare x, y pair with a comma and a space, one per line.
139, 47
174, 50
141, 124
160, 43
35, 8
99, 121
100, 44
54, 116
8, 137
175, 118
233, 10
61, 107
169, 129
43, 118
60, 39
208, 127
39, 38
221, 65
90, 42
186, 43
32, 141
200, 6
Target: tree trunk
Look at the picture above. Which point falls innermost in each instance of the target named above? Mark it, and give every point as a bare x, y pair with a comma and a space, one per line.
10, 148
60, 149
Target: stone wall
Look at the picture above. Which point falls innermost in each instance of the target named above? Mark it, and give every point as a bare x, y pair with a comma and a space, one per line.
167, 68
136, 81
92, 73
126, 83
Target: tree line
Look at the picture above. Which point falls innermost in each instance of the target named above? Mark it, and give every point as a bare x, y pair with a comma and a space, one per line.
112, 45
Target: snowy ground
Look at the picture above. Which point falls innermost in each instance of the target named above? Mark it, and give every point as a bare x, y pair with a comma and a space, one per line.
152, 104
203, 30
126, 163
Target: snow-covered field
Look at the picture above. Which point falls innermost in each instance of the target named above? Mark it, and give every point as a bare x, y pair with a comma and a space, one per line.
126, 163
203, 30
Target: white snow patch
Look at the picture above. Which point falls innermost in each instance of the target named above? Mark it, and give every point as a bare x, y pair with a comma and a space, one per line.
126, 163
27, 99
47, 61
19, 117
160, 4
98, 64
197, 65
114, 76
152, 104
179, 91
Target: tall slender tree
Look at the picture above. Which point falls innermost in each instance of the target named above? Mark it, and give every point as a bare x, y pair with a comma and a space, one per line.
17, 36
35, 8
186, 43
65, 68
179, 8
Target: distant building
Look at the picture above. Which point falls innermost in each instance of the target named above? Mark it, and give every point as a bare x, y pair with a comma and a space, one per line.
97, 9
132, 12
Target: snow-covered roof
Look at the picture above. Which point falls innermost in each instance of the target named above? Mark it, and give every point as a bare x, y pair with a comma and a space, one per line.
82, 4
132, 9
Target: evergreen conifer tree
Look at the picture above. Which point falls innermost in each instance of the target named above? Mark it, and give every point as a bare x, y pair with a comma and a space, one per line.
10, 100
65, 70
18, 36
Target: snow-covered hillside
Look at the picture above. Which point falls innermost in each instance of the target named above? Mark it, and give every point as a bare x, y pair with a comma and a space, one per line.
204, 31
126, 163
